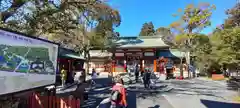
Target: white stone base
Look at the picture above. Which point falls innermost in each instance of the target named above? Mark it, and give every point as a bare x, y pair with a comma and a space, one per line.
177, 74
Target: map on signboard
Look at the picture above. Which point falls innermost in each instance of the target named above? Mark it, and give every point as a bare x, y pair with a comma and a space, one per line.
25, 59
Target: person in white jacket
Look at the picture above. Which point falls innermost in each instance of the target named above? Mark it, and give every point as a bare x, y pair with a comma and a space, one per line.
94, 74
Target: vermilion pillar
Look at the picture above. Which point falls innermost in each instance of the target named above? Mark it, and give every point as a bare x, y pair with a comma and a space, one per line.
113, 66
155, 65
155, 60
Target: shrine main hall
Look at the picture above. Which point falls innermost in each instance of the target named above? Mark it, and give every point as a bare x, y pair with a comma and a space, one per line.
143, 50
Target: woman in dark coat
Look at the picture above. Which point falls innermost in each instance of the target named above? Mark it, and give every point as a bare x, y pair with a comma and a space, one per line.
146, 78
136, 72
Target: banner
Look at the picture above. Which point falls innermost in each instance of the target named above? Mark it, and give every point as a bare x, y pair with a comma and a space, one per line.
25, 62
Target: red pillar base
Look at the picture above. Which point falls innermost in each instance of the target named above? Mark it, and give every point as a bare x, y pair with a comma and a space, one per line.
180, 78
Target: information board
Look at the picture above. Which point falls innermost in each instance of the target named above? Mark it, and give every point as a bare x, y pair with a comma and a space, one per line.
25, 63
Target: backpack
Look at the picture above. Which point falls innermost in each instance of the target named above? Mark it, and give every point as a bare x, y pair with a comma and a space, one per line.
116, 95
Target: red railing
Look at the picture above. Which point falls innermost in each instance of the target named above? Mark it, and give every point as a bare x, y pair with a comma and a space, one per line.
37, 101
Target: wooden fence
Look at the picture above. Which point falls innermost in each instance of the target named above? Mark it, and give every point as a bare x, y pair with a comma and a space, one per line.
37, 101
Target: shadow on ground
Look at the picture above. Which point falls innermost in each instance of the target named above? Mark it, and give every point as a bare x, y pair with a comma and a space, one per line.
189, 88
141, 87
103, 82
216, 104
233, 85
156, 106
102, 92
94, 101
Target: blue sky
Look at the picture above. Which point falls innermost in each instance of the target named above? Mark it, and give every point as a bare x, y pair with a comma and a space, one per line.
136, 12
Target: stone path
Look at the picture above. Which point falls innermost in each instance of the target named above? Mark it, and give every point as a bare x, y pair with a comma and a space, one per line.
199, 93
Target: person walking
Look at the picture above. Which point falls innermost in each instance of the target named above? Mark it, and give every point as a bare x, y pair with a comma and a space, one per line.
146, 78
118, 95
83, 76
161, 68
63, 76
94, 76
94, 73
136, 72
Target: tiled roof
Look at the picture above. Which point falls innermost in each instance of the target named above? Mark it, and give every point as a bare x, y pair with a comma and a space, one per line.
64, 52
141, 42
100, 53
177, 53
171, 53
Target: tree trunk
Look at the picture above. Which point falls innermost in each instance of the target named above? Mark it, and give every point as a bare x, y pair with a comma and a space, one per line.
190, 43
88, 60
86, 57
188, 64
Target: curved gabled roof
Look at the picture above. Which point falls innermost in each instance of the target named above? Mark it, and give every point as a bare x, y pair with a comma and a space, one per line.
141, 42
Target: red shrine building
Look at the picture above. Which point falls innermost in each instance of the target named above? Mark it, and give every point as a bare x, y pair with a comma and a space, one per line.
146, 51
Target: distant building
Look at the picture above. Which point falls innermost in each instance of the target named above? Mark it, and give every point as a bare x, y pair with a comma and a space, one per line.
100, 60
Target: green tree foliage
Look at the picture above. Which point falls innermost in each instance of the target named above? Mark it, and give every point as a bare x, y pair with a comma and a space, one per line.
166, 34
179, 43
192, 19
201, 43
221, 48
66, 22
163, 31
225, 41
226, 47
233, 19
147, 29
202, 51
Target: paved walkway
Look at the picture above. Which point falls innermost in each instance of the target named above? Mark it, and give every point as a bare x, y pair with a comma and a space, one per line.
194, 93
152, 101
200, 93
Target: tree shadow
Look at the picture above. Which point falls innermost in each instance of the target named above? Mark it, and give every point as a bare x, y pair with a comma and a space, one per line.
131, 101
187, 88
93, 101
143, 93
233, 85
105, 83
216, 104
104, 90
141, 87
156, 106
194, 92
99, 93
132, 95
